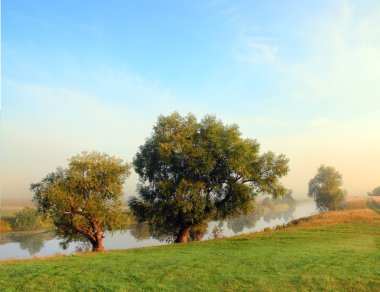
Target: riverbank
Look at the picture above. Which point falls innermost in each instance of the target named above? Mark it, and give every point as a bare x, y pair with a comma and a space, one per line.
32, 244
331, 251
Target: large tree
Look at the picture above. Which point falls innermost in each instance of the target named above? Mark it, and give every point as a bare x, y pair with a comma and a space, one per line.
83, 200
326, 189
192, 172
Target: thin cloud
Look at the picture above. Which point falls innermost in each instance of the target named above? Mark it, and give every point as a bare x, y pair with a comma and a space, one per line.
344, 64
272, 122
322, 121
253, 51
251, 45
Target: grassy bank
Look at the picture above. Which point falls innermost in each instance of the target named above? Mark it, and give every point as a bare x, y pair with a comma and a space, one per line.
331, 251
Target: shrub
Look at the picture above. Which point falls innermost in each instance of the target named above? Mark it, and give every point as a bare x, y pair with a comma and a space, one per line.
216, 232
28, 219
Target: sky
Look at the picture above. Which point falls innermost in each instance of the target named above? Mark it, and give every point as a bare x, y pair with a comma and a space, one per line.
301, 77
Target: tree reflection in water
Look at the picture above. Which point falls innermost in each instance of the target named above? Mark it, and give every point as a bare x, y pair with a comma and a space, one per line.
268, 209
273, 214
244, 221
140, 231
33, 242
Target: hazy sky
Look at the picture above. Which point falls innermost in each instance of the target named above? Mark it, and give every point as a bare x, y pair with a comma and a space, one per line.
302, 77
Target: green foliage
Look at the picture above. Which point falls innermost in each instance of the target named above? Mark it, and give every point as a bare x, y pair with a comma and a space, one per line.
192, 172
375, 192
326, 189
83, 200
344, 257
28, 219
197, 232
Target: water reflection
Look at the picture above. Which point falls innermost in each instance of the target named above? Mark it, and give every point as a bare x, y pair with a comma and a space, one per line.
140, 231
34, 243
238, 224
272, 211
23, 244
284, 214
30, 242
264, 216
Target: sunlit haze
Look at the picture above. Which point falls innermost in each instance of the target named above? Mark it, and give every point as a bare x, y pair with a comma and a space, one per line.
301, 77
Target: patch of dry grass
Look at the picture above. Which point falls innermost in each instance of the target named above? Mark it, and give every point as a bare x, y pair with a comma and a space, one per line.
356, 203
338, 217
5, 226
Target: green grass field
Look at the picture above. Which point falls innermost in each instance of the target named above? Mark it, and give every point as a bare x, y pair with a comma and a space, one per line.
329, 252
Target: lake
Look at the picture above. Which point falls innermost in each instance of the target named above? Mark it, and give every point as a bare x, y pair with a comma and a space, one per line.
39, 244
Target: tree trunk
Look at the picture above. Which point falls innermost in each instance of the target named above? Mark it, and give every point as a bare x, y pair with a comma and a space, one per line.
97, 245
183, 234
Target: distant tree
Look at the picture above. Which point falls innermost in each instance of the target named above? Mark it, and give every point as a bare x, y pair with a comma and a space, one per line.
83, 200
326, 189
192, 172
28, 219
375, 192
286, 199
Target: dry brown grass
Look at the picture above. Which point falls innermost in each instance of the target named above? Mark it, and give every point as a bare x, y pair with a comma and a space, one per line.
5, 226
356, 203
363, 215
356, 210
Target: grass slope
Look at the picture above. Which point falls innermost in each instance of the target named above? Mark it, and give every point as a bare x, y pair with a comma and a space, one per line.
331, 251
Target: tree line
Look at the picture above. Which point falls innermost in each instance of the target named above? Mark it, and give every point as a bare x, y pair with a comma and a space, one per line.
190, 173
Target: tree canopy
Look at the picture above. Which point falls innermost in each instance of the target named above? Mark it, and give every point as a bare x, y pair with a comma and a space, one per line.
192, 172
375, 192
83, 200
326, 189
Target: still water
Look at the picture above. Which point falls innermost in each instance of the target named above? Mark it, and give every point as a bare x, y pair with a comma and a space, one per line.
40, 244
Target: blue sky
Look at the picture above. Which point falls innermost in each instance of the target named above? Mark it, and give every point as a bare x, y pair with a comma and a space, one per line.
300, 76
